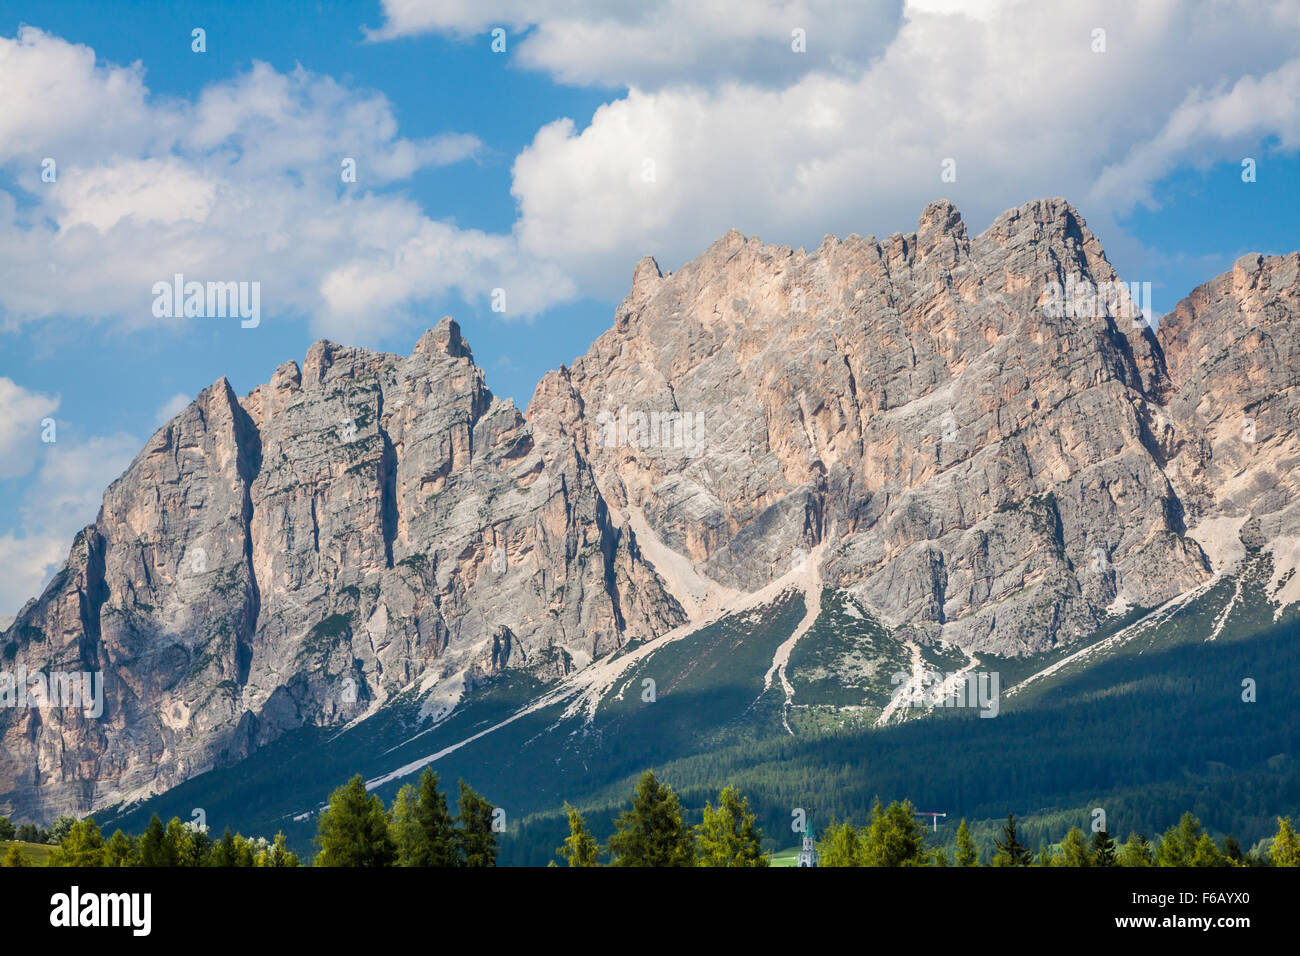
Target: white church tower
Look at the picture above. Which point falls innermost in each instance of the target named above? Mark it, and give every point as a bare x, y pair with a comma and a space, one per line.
808, 855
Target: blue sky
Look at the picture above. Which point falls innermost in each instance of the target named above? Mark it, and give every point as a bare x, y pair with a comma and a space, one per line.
526, 170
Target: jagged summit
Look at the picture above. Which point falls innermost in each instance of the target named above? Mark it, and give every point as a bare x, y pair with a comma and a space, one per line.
445, 339
940, 218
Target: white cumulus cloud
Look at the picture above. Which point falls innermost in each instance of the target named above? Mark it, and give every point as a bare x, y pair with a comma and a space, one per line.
21, 415
660, 42
243, 183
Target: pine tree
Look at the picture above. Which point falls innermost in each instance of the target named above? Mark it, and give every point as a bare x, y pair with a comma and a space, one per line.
153, 845
7, 829
967, 854
1010, 851
939, 857
1136, 852
1103, 849
894, 837
14, 857
652, 833
728, 836
353, 829
579, 849
1045, 856
1285, 850
474, 836
437, 845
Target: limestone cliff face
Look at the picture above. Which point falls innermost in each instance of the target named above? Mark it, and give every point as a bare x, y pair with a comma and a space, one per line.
982, 463
974, 447
1233, 358
362, 525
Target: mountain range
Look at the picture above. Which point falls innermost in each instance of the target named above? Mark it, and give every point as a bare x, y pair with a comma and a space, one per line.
787, 494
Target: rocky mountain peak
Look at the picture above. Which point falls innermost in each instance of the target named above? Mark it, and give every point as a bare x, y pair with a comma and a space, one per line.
444, 339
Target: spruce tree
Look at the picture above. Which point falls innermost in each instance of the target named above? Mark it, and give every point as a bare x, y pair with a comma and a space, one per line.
1010, 851
652, 833
728, 836
967, 854
153, 845
474, 837
894, 837
580, 848
353, 829
438, 846
1103, 849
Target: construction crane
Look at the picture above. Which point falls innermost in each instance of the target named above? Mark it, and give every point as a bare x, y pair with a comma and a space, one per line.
932, 815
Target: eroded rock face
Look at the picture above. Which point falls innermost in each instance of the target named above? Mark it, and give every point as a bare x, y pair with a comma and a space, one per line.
983, 467
366, 524
1233, 359
973, 458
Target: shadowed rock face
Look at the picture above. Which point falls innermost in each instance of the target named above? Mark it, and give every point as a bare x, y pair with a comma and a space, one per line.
977, 465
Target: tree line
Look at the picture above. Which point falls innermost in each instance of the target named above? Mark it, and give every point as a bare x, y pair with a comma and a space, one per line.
894, 837
355, 829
